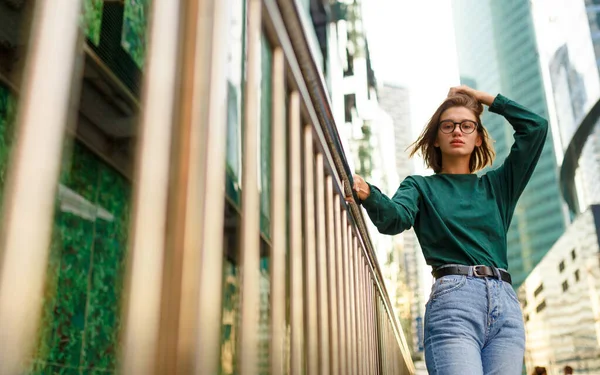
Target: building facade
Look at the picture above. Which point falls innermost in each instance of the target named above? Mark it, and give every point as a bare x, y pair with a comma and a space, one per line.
394, 100
560, 301
376, 144
497, 53
567, 52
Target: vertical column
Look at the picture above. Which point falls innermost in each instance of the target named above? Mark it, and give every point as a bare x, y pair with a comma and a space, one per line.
296, 245
322, 290
202, 168
363, 313
332, 274
43, 114
340, 284
373, 326
279, 227
372, 351
357, 304
347, 302
310, 272
250, 232
352, 293
381, 337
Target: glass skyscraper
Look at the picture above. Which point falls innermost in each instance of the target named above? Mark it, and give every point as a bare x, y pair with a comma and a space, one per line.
497, 53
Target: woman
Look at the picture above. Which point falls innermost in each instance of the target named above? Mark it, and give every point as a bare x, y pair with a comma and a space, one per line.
473, 321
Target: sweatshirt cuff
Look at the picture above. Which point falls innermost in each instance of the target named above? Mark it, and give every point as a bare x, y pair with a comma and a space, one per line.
373, 197
499, 104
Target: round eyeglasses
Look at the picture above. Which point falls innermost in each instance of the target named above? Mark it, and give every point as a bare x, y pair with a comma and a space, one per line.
466, 126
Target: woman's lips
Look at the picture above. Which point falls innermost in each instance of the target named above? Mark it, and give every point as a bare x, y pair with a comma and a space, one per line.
457, 143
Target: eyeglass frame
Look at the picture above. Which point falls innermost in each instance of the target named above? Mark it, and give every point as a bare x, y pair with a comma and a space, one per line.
460, 125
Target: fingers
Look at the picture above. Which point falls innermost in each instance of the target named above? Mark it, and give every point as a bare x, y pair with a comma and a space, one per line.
458, 89
359, 183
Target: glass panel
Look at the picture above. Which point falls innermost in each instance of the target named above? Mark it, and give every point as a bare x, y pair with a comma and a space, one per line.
81, 322
92, 18
266, 100
235, 76
134, 29
231, 292
7, 116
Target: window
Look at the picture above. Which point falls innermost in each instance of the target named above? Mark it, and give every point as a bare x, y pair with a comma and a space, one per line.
565, 286
538, 290
573, 254
541, 306
577, 275
561, 266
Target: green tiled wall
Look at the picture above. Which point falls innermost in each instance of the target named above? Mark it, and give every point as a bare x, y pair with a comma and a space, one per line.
135, 24
92, 19
7, 114
80, 322
80, 317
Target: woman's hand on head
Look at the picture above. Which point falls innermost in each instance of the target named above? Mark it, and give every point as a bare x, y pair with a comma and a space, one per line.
482, 97
361, 188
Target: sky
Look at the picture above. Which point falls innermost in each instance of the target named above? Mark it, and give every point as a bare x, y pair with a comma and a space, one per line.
412, 44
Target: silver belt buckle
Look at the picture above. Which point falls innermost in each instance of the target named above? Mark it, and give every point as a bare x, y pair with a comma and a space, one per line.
475, 273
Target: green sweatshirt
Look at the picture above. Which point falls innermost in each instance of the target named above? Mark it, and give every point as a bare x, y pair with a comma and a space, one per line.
463, 218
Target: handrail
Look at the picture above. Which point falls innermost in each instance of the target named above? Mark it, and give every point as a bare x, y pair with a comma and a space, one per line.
319, 96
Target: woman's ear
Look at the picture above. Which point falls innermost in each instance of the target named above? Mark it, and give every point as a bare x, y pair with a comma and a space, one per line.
478, 141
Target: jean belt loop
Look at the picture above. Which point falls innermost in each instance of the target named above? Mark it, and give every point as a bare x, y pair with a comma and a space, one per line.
470, 274
497, 271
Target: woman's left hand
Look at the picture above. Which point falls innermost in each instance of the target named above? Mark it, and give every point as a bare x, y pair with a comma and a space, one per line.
482, 97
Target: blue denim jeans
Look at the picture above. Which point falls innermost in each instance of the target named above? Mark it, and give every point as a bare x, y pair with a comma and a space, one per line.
473, 326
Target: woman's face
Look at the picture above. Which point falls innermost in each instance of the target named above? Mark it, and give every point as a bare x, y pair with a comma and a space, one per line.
454, 140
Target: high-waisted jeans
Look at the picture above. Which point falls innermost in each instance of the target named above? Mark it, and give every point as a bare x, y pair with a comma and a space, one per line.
473, 326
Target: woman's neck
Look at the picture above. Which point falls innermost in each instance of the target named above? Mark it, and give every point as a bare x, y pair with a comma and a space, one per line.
456, 166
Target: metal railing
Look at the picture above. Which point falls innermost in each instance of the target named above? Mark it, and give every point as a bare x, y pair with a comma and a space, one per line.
325, 283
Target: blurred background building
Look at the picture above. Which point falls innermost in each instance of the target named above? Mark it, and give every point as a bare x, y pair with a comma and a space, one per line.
375, 122
560, 297
560, 301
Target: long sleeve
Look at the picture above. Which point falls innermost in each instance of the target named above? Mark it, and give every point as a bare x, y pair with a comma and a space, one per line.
392, 216
530, 133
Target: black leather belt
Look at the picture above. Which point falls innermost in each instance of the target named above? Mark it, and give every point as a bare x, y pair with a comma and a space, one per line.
478, 271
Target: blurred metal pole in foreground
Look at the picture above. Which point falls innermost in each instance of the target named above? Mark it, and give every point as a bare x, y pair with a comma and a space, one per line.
151, 182
32, 181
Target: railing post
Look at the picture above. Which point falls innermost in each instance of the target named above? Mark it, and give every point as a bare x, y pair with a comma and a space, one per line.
310, 275
322, 290
296, 244
250, 235
340, 282
279, 236
332, 272
144, 273
43, 113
